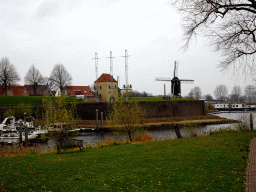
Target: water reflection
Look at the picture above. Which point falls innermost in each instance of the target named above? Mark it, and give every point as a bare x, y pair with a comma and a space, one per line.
165, 133
160, 134
245, 117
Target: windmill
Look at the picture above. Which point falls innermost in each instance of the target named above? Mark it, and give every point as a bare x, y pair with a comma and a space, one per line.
175, 81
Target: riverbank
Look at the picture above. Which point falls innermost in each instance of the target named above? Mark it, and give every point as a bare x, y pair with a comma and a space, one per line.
168, 121
204, 163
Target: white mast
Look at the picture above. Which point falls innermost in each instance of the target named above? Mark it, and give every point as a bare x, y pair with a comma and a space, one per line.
96, 65
126, 69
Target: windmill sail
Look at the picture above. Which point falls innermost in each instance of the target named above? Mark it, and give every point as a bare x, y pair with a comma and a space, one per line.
163, 79
186, 81
175, 81
175, 71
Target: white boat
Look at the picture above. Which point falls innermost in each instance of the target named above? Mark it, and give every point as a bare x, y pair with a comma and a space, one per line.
10, 130
9, 123
14, 137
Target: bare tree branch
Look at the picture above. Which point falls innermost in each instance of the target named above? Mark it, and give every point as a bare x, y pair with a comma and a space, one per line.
230, 26
8, 74
34, 78
60, 77
221, 91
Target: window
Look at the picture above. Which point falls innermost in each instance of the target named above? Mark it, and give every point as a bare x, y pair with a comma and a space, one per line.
100, 87
109, 87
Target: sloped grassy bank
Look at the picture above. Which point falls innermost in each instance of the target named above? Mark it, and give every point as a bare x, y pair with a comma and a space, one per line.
216, 163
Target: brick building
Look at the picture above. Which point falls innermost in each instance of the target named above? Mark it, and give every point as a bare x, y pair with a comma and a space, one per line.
106, 87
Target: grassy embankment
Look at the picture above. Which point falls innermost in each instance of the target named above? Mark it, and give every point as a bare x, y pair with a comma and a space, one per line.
37, 100
31, 100
215, 163
156, 99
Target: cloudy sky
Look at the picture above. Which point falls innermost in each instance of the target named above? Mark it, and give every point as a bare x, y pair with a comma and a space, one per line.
48, 32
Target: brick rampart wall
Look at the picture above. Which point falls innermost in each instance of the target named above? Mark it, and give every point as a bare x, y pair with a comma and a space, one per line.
154, 109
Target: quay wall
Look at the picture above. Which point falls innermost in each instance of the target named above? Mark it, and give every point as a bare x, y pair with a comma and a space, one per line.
154, 109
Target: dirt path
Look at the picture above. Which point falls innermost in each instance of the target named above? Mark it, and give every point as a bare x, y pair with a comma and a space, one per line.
251, 168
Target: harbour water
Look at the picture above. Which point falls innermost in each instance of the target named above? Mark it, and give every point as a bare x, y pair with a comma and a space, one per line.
163, 133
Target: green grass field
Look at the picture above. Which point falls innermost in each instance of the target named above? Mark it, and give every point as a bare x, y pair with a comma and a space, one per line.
210, 163
156, 99
27, 100
37, 100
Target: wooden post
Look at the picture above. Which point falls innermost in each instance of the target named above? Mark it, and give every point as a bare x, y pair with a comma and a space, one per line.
20, 132
26, 135
97, 118
251, 121
164, 91
102, 124
26, 130
177, 131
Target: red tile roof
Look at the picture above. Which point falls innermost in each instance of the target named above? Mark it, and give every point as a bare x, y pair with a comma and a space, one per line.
41, 89
16, 90
105, 78
79, 90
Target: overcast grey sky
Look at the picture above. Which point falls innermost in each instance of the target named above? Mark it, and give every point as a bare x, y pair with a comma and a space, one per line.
48, 32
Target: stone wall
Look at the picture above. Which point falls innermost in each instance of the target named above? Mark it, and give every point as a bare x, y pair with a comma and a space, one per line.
154, 109
173, 108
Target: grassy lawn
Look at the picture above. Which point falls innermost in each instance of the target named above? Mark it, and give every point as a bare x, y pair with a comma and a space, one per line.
214, 163
156, 99
27, 100
37, 100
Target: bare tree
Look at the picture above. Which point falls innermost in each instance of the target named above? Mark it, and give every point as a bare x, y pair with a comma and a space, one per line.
230, 25
125, 116
208, 97
237, 90
140, 94
34, 78
49, 83
8, 74
57, 112
191, 94
60, 77
236, 93
195, 93
249, 91
243, 98
221, 91
198, 92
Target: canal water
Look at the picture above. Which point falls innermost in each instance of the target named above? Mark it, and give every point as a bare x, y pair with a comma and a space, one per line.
164, 133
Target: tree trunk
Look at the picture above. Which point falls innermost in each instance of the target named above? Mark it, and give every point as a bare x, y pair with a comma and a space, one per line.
177, 131
130, 136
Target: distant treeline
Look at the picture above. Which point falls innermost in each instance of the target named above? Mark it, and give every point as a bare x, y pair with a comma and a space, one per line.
141, 94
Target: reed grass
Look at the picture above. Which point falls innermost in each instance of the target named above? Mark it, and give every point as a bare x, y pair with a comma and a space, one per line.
19, 149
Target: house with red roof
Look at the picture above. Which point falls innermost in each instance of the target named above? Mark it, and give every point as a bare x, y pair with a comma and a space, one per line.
14, 90
106, 87
80, 92
40, 91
